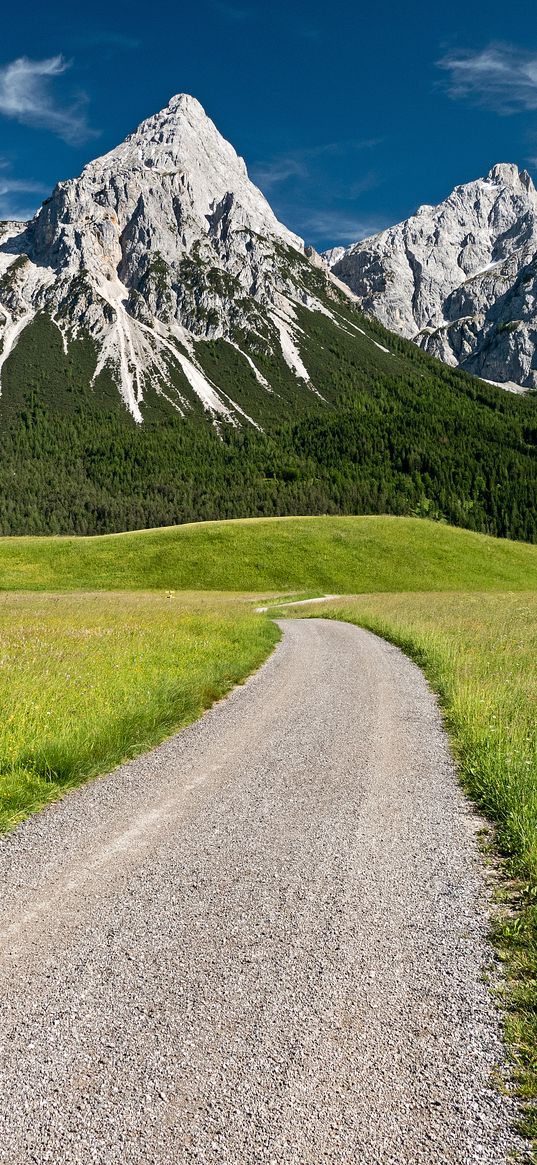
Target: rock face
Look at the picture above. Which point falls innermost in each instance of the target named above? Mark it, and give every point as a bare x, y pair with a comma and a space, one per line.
460, 279
160, 244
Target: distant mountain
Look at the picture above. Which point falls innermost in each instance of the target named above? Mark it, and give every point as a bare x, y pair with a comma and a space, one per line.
170, 352
460, 279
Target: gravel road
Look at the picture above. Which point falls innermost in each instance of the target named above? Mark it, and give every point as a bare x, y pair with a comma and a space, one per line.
263, 942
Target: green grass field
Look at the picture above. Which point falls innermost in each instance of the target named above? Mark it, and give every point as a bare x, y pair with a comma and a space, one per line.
89, 680
91, 677
337, 554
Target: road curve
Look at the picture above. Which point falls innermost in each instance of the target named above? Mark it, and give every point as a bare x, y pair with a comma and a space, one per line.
263, 942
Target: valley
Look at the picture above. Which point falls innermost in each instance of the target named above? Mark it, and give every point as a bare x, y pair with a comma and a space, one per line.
202, 422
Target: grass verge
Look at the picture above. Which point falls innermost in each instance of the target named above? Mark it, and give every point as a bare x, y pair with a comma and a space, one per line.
89, 680
479, 652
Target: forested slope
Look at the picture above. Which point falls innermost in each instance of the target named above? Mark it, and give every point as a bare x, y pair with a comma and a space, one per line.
393, 431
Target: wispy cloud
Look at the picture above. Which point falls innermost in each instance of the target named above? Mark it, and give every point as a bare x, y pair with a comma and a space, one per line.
296, 179
233, 11
367, 182
340, 148
278, 170
339, 227
26, 96
501, 77
12, 185
300, 163
12, 203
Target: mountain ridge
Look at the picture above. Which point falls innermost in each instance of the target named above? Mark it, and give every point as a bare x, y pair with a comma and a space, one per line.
459, 278
145, 290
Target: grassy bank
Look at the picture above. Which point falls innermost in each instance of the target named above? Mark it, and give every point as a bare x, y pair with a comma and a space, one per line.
89, 680
336, 554
480, 654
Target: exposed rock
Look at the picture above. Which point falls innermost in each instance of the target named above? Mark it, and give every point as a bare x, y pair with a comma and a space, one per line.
158, 244
459, 278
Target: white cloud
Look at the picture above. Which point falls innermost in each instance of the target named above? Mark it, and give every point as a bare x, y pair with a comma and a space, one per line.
500, 77
12, 205
13, 185
339, 226
233, 11
300, 164
271, 174
25, 95
294, 174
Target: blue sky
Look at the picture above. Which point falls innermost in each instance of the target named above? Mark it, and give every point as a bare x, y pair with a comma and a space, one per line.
348, 115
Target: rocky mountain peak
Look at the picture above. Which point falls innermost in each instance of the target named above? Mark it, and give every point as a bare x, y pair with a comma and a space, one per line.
508, 174
179, 135
183, 102
160, 243
445, 276
177, 170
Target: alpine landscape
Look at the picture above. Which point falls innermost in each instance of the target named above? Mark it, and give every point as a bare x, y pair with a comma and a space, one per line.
268, 595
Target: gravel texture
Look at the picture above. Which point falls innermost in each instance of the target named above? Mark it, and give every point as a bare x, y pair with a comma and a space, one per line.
263, 942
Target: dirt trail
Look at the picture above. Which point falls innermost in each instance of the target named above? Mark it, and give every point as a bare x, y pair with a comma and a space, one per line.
263, 942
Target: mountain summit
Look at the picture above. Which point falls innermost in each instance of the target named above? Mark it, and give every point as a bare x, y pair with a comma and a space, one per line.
160, 244
460, 279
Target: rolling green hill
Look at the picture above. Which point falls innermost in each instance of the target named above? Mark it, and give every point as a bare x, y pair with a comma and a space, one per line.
332, 554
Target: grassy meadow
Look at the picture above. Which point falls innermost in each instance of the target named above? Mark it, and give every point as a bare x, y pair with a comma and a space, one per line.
89, 680
108, 644
332, 554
